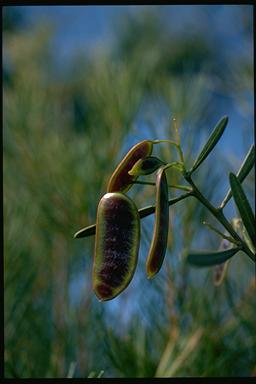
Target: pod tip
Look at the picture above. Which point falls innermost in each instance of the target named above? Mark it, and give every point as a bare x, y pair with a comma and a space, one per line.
150, 276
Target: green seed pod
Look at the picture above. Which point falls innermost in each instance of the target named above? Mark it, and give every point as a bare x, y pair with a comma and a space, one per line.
116, 245
146, 166
160, 236
120, 180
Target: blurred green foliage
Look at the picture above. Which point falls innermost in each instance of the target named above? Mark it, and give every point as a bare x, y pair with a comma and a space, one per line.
62, 137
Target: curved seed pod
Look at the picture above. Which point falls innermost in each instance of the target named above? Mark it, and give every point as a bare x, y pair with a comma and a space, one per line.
159, 242
146, 166
120, 179
116, 245
219, 270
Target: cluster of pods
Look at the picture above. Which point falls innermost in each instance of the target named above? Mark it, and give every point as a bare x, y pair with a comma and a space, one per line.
118, 224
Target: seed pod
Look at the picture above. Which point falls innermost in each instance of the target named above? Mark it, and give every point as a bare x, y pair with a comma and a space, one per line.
219, 270
160, 236
120, 180
116, 245
146, 166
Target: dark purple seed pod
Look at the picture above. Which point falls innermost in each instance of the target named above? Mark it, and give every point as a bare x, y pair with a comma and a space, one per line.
116, 245
160, 236
120, 180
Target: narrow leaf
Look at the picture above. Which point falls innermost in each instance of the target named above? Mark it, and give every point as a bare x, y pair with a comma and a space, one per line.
87, 231
143, 212
243, 207
244, 170
209, 258
212, 141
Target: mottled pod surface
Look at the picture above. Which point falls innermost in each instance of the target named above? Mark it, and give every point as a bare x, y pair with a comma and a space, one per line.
120, 180
116, 245
160, 236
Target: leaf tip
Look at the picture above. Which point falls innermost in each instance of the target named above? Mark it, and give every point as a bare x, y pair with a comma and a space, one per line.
232, 177
77, 235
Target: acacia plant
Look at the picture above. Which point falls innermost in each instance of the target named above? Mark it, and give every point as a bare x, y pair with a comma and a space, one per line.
117, 226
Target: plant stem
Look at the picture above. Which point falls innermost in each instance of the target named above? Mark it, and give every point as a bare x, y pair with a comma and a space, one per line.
146, 211
175, 164
230, 239
165, 141
181, 187
143, 212
177, 145
181, 154
219, 216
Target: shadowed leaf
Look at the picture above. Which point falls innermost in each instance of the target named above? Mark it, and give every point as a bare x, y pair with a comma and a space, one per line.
244, 170
243, 206
209, 258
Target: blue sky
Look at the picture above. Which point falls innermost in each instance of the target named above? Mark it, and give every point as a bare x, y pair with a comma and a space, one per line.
81, 28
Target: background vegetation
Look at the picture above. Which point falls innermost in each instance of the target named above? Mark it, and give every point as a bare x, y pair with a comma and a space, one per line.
64, 133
